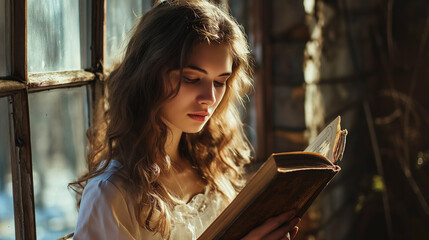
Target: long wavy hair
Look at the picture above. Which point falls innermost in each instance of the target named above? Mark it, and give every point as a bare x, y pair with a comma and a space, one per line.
132, 131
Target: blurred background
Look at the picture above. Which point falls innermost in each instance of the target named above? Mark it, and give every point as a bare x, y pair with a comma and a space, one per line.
314, 59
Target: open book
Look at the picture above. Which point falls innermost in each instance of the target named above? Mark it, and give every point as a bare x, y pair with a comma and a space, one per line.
290, 180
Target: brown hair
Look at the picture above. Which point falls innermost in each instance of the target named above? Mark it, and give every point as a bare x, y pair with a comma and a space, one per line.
133, 132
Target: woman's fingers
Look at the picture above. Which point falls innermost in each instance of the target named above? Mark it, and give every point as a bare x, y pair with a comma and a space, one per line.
282, 231
275, 227
275, 222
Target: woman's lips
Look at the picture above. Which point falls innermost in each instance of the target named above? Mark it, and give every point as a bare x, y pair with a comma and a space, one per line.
199, 117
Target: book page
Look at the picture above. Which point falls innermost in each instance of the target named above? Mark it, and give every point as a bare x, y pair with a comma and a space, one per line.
325, 141
340, 145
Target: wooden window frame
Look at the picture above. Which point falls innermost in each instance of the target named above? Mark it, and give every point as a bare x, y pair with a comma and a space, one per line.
263, 80
17, 86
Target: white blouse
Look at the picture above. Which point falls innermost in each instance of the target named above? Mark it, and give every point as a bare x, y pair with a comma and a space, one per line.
107, 211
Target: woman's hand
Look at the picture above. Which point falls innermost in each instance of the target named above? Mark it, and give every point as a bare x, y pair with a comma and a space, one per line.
282, 226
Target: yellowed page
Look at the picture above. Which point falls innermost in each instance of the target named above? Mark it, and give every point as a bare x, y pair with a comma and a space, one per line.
324, 143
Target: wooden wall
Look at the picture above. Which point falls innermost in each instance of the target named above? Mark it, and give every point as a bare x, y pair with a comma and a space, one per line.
366, 61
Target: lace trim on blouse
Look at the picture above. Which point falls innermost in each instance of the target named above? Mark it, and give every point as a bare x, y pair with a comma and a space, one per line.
191, 219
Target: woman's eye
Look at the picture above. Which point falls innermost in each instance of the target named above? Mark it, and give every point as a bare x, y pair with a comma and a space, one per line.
191, 80
219, 84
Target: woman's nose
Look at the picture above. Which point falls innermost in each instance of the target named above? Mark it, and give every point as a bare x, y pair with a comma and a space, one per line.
206, 94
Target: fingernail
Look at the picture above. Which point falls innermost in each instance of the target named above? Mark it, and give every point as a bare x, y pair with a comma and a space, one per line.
294, 232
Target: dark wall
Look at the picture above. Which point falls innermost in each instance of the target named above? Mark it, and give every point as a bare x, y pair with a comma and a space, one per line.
370, 60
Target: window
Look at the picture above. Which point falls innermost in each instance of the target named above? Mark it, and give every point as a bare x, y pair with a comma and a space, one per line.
7, 230
121, 17
56, 42
5, 38
58, 120
53, 58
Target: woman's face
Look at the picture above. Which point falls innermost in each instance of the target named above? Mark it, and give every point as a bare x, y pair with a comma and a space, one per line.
203, 86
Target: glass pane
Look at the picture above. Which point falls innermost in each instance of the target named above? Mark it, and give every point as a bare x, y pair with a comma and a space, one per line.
120, 17
4, 38
55, 40
58, 121
7, 222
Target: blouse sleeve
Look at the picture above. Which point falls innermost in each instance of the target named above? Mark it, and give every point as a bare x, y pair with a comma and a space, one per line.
104, 213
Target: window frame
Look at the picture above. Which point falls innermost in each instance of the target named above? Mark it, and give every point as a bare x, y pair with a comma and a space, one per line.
17, 86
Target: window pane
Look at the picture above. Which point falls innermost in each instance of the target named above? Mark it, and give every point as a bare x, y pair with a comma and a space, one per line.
58, 121
4, 38
120, 17
7, 224
55, 40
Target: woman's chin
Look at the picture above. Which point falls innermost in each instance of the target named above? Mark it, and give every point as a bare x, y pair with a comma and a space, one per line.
195, 129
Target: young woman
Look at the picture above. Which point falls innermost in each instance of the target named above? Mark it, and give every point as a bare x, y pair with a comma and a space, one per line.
172, 150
